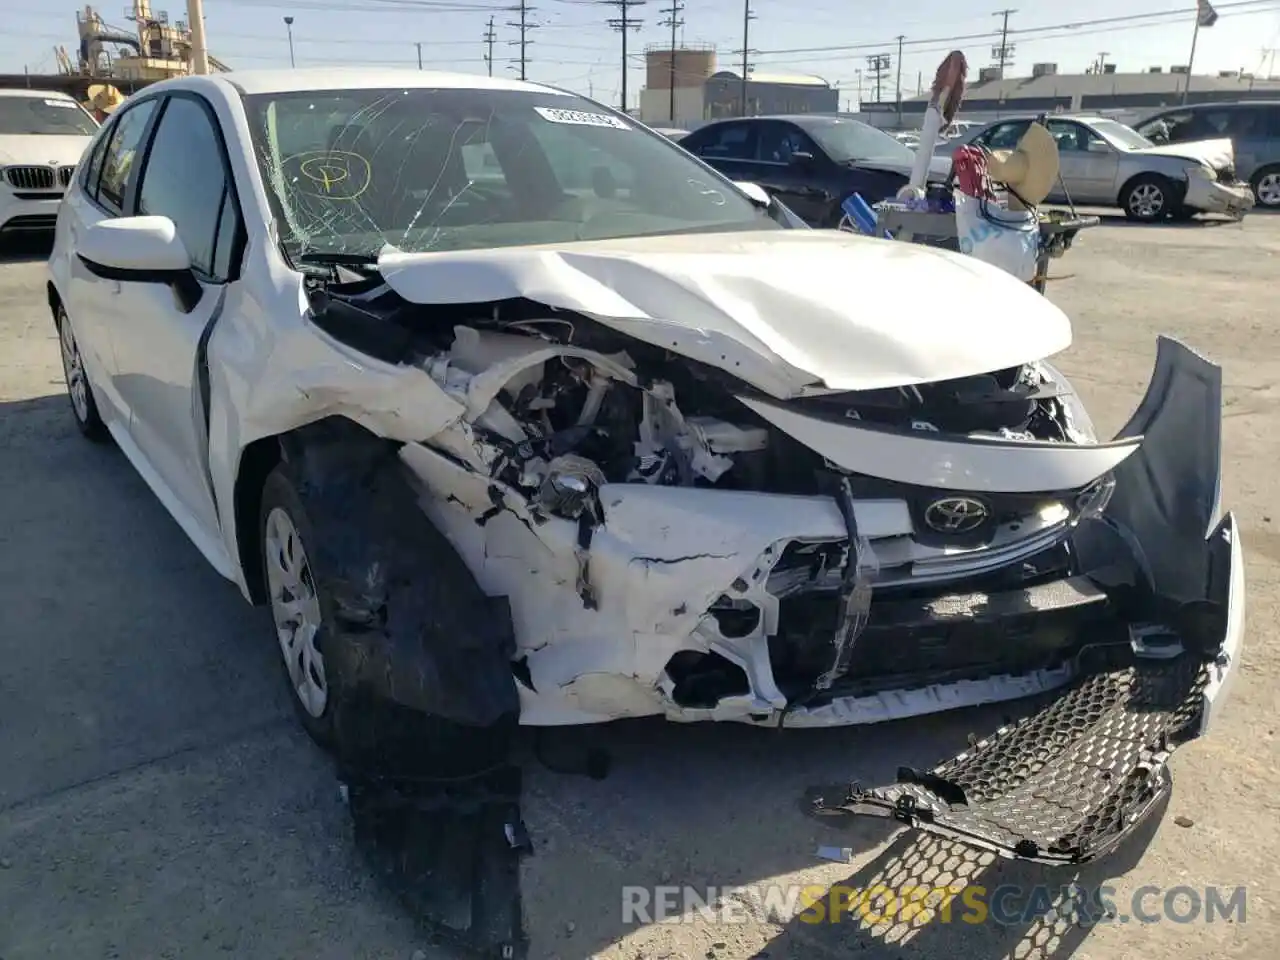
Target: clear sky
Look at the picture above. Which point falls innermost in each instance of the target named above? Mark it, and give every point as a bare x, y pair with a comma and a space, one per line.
574, 47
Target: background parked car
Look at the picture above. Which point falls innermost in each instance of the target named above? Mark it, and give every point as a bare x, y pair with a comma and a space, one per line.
672, 133
1105, 163
810, 163
1254, 129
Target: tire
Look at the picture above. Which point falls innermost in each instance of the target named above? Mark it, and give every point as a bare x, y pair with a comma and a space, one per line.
1266, 186
301, 610
79, 390
1147, 198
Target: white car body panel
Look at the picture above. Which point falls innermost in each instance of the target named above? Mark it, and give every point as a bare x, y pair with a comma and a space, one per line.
778, 310
1215, 154
773, 308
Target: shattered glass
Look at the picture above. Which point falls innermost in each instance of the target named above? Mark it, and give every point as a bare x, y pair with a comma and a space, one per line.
355, 172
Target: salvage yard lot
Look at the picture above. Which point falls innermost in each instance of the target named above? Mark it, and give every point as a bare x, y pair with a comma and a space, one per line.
157, 798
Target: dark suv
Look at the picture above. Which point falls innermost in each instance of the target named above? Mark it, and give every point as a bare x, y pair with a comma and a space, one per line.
1254, 129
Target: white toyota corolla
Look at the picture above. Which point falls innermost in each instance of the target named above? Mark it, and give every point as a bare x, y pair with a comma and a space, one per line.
512, 410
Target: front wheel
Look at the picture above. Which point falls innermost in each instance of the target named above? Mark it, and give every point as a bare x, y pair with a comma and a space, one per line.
298, 605
1147, 199
1266, 187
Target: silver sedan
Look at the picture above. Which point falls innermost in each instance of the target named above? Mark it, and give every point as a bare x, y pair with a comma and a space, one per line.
1105, 163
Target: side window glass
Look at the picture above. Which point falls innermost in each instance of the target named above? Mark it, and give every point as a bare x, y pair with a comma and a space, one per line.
185, 179
1005, 136
1245, 123
778, 141
731, 142
226, 244
93, 166
121, 153
1066, 135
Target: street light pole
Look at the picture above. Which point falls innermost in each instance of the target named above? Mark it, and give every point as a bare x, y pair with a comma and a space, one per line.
288, 25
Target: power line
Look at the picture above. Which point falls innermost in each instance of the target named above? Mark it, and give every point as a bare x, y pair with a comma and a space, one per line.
489, 38
524, 26
674, 22
624, 23
1003, 53
1167, 16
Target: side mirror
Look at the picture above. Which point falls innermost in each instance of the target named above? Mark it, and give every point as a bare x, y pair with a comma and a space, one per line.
801, 158
755, 193
141, 250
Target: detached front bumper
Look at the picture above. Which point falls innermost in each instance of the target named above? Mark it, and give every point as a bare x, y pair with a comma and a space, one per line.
1075, 777
1211, 196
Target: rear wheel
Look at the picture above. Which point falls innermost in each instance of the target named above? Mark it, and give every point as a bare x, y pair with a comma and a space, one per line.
1266, 187
83, 406
1147, 199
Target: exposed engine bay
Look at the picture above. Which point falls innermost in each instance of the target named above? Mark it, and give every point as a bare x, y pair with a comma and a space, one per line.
568, 423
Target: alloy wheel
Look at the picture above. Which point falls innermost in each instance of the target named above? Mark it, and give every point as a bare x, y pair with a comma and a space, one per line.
1269, 189
1146, 201
73, 370
295, 607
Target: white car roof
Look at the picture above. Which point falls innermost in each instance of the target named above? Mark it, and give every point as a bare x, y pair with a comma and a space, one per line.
251, 82
35, 94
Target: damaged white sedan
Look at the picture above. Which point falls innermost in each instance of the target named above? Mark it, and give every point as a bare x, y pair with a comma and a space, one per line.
513, 411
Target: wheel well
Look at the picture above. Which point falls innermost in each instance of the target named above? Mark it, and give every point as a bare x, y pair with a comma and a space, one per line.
1263, 171
256, 463
55, 301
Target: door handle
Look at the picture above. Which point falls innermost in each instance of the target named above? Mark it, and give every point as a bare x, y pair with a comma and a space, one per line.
114, 286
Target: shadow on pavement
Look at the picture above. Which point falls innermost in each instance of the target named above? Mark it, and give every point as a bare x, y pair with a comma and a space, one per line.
25, 247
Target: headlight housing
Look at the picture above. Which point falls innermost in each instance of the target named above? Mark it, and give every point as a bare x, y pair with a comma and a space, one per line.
1200, 172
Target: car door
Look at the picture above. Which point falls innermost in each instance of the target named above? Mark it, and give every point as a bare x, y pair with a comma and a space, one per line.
186, 177
783, 170
1089, 165
728, 147
91, 302
1249, 128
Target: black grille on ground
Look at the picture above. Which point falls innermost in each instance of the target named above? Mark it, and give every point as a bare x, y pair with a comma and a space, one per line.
1063, 785
30, 177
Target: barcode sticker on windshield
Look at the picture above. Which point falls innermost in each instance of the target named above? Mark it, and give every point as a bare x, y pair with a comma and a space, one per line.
60, 103
580, 118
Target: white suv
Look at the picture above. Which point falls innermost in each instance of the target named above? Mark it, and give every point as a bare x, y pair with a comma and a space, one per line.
42, 135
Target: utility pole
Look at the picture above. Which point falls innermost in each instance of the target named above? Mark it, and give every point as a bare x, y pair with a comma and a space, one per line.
878, 66
1003, 54
900, 38
1102, 60
858, 74
489, 38
747, 17
624, 23
288, 25
673, 21
524, 26
199, 49
419, 46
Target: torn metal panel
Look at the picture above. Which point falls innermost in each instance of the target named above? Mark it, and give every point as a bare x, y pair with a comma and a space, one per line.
949, 462
1069, 782
773, 308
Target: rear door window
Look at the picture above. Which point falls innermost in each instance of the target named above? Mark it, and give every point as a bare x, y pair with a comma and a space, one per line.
730, 141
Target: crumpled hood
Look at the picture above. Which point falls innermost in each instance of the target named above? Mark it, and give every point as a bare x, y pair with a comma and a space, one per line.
57, 149
788, 311
1218, 154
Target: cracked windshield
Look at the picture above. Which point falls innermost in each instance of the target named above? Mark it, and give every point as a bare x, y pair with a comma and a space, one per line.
356, 171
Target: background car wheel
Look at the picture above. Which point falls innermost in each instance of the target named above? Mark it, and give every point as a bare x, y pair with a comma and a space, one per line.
80, 392
1147, 198
299, 608
1266, 187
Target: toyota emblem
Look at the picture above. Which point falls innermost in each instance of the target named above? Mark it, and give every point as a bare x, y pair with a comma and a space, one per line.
956, 515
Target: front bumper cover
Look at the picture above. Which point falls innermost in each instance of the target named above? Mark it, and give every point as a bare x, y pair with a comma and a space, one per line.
1069, 782
1211, 196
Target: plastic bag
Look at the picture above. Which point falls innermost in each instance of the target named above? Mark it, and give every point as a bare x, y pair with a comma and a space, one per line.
1008, 239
